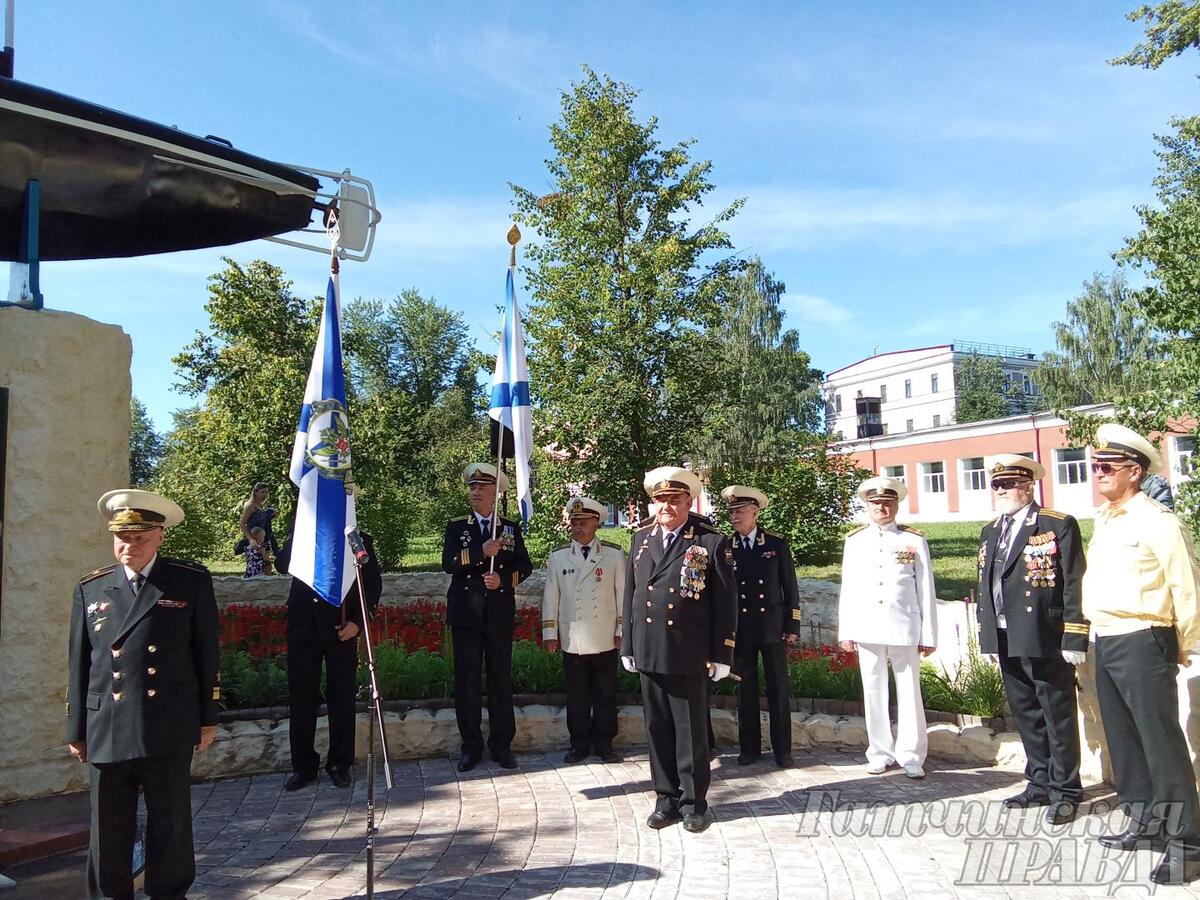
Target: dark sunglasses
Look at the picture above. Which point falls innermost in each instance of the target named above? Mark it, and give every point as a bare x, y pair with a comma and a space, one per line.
1105, 468
1010, 483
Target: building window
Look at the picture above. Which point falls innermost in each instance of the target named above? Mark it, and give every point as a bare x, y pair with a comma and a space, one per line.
1072, 466
933, 383
1027, 386
837, 402
933, 478
896, 472
908, 425
883, 393
974, 476
1184, 463
907, 389
937, 421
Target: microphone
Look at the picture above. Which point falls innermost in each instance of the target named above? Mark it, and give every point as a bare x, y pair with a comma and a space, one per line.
357, 547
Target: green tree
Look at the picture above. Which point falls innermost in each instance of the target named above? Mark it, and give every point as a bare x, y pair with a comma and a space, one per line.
767, 387
1105, 349
146, 446
1171, 28
981, 389
622, 298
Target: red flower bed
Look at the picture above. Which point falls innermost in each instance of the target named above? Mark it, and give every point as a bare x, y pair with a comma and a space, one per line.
261, 631
839, 659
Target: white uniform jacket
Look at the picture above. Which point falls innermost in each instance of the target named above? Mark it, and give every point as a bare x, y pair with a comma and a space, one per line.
887, 594
581, 603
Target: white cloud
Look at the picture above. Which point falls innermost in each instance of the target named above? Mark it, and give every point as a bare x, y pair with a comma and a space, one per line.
818, 310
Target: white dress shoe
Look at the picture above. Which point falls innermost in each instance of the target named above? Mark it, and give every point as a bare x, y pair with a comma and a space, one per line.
914, 771
877, 768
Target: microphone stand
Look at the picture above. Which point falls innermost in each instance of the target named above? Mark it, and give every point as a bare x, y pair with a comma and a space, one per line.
376, 714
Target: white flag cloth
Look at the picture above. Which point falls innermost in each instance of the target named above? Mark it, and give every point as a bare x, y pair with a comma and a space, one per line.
320, 467
510, 399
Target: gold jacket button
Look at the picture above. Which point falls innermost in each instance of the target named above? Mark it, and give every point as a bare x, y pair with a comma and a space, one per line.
116, 695
670, 621
743, 609
151, 692
649, 587
670, 590
117, 676
648, 603
152, 671
116, 652
1029, 609
762, 609
648, 619
153, 648
316, 600
670, 606
760, 581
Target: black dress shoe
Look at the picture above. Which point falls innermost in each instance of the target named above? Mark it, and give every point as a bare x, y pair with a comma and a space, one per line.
505, 760
575, 756
340, 776
661, 818
748, 759
697, 822
784, 760
1061, 813
1132, 840
608, 755
468, 761
1178, 866
297, 780
1026, 799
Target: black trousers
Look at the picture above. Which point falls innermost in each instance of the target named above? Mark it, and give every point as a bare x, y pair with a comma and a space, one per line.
304, 660
675, 708
472, 648
1135, 684
745, 664
1041, 695
170, 860
591, 699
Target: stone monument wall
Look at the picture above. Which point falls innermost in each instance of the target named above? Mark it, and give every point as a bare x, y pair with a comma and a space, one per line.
68, 442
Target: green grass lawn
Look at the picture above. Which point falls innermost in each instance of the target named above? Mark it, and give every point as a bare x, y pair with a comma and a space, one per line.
953, 545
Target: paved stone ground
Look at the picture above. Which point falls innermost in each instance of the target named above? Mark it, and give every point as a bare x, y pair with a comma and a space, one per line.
823, 829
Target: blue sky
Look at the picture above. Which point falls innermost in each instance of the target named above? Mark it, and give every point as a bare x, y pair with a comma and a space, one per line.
914, 172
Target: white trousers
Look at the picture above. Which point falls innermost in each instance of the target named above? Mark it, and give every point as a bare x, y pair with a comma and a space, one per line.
911, 742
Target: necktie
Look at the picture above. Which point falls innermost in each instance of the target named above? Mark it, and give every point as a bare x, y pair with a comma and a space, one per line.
746, 542
137, 583
998, 566
670, 539
585, 548
485, 528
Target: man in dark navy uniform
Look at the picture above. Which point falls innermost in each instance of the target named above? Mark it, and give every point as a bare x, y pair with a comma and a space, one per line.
1031, 567
486, 557
768, 621
142, 694
318, 631
679, 619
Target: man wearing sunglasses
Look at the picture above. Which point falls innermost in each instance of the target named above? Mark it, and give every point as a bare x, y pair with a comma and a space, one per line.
1030, 615
1140, 593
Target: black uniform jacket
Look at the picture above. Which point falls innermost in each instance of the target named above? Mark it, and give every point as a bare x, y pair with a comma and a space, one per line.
145, 670
463, 559
675, 622
1042, 600
768, 597
309, 618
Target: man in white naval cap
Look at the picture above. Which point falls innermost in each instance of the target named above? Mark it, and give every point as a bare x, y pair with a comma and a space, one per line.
887, 611
143, 692
1030, 615
768, 622
486, 558
581, 615
1141, 594
680, 617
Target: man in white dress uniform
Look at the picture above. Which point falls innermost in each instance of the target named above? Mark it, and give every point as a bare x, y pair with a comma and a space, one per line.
887, 611
581, 615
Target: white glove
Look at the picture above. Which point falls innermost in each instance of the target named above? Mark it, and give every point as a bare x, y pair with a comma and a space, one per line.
627, 662
1074, 657
719, 671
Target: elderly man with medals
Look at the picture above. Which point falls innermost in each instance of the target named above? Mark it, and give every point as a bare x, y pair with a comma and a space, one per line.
887, 611
143, 692
1141, 594
680, 618
581, 615
1030, 615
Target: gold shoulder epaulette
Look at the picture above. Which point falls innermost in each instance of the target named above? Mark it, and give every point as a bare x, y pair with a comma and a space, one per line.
705, 527
771, 534
92, 576
459, 519
854, 531
611, 544
560, 547
189, 564
1052, 513
916, 531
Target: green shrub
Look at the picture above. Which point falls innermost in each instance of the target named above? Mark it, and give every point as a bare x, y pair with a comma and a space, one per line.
976, 690
535, 671
248, 683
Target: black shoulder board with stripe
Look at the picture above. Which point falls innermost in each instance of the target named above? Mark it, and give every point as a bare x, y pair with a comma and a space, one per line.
92, 576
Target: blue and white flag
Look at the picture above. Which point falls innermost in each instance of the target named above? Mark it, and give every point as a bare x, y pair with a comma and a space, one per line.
320, 468
510, 400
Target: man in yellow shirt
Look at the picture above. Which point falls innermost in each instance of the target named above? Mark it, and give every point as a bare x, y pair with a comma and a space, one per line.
1140, 593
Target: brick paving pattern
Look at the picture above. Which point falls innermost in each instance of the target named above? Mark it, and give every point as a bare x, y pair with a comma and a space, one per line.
822, 829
